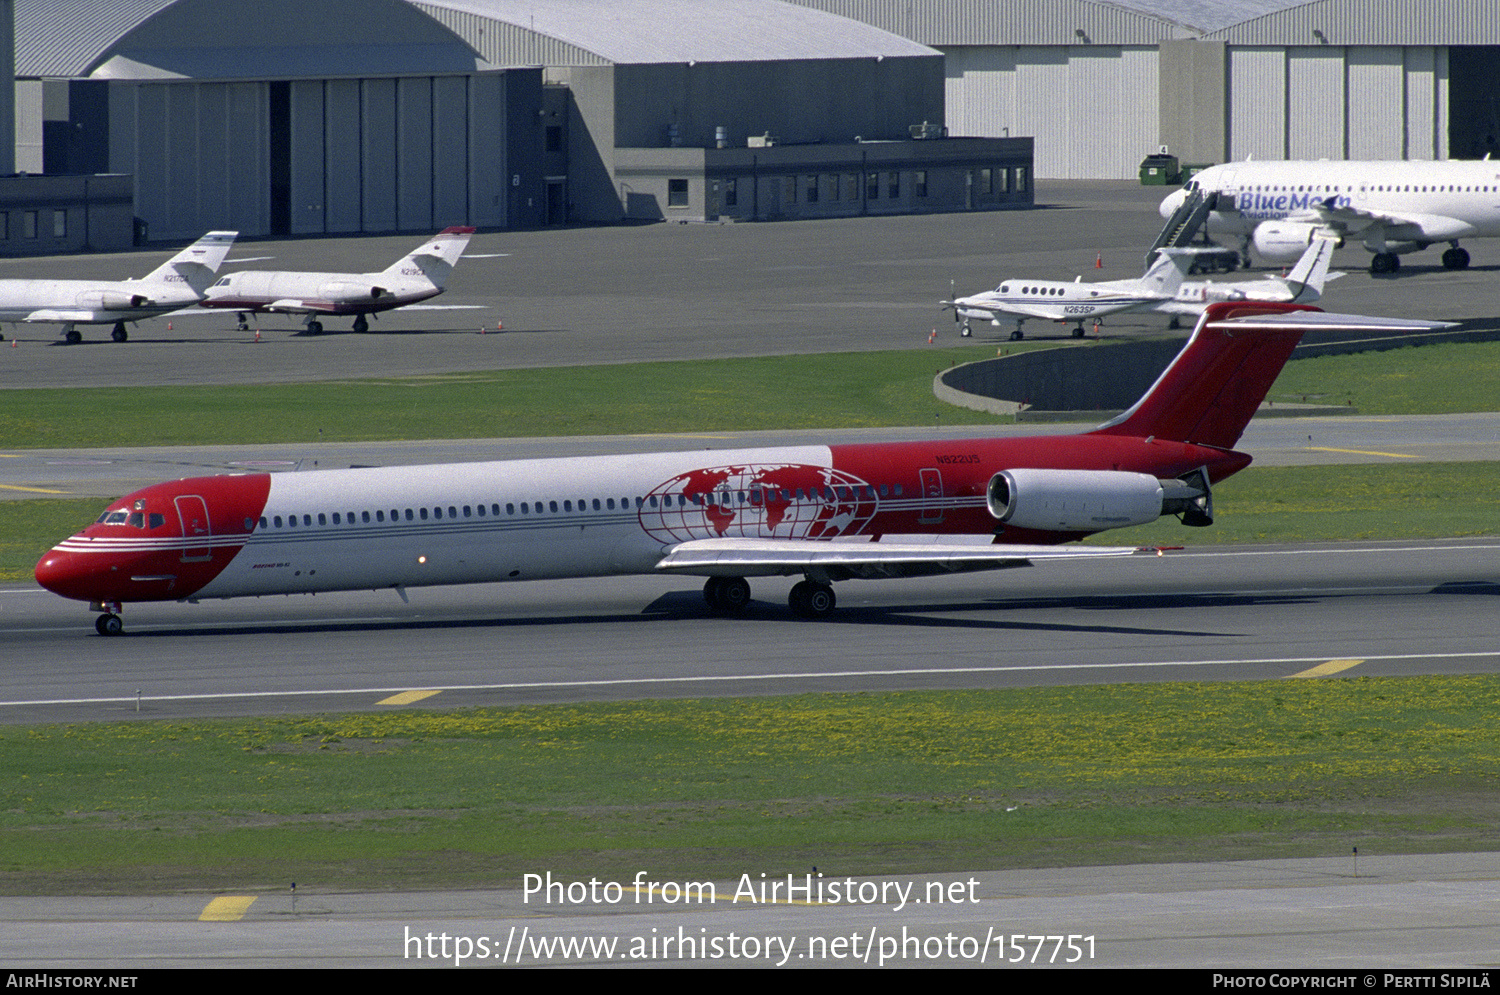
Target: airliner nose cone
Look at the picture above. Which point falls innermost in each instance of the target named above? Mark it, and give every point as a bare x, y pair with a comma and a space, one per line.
66, 574
1171, 202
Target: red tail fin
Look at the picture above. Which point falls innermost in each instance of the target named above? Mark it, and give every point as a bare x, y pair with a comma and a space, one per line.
1210, 391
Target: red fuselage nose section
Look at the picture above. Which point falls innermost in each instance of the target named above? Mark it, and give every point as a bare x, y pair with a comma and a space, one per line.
159, 544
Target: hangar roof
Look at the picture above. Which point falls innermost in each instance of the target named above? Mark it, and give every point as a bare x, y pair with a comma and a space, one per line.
215, 39
603, 32
952, 23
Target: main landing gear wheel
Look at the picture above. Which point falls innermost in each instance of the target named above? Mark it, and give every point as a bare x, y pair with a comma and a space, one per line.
109, 624
809, 599
72, 336
361, 325
1456, 258
1385, 262
727, 594
315, 328
119, 334
1017, 335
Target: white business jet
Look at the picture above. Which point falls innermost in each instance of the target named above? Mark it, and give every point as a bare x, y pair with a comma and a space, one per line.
1077, 301
178, 283
1302, 285
1392, 207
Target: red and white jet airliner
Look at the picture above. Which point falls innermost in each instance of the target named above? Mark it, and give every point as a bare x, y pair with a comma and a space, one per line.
828, 513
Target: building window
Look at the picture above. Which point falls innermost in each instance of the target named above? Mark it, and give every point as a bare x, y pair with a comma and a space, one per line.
1002, 177
677, 193
4, 224
554, 138
919, 183
28, 222
812, 189
833, 187
872, 186
731, 193
986, 181
59, 224
851, 186
789, 189
1022, 179
893, 186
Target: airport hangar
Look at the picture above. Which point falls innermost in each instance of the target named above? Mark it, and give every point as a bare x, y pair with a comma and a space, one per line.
1100, 84
345, 116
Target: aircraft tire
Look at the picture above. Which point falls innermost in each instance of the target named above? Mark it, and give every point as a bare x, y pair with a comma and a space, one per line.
1385, 262
315, 328
73, 337
810, 599
119, 334
1456, 258
361, 325
1017, 335
727, 594
109, 624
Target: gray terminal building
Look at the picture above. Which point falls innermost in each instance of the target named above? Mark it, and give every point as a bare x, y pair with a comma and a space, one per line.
161, 119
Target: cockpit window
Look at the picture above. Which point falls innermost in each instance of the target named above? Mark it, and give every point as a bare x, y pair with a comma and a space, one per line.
114, 517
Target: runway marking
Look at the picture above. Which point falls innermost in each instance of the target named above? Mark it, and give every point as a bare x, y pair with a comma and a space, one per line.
725, 678
1358, 452
1331, 667
406, 697
31, 490
227, 908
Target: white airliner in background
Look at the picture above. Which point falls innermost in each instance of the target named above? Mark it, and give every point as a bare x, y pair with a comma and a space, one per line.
1057, 300
178, 283
1302, 285
416, 277
1393, 207
824, 513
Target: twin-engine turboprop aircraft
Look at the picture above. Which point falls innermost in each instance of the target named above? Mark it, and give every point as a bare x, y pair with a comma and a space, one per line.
415, 277
1057, 300
826, 513
175, 284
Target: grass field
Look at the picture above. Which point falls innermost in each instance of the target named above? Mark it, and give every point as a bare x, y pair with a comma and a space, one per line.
851, 783
777, 392
857, 784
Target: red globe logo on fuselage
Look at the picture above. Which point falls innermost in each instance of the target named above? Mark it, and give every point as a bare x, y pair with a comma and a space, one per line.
759, 500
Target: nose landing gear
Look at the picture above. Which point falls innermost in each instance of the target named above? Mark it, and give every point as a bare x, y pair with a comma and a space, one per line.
108, 624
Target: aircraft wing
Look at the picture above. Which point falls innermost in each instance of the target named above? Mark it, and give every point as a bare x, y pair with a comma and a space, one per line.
1353, 220
837, 560
293, 305
58, 314
977, 309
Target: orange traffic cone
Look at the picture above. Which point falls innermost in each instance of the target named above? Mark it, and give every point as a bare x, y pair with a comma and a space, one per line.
1099, 261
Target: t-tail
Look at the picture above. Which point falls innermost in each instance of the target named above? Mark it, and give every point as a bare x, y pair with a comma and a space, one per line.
1208, 394
1305, 281
1166, 274
197, 265
435, 258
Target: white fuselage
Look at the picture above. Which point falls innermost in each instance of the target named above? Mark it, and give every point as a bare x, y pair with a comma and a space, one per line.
1416, 201
92, 301
325, 293
1054, 300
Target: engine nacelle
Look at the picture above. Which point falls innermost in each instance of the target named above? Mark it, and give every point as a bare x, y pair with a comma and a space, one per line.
1285, 241
342, 290
111, 300
1093, 500
1074, 500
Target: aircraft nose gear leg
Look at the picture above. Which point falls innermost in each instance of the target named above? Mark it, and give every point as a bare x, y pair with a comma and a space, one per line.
811, 599
727, 594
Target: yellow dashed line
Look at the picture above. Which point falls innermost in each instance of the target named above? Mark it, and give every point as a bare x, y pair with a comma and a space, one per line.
227, 908
1359, 452
30, 490
406, 697
1331, 667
